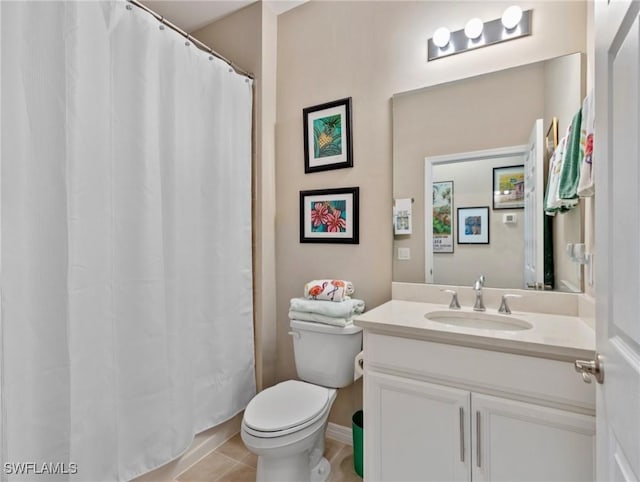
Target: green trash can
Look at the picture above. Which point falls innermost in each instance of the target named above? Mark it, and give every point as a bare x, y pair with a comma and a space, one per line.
357, 430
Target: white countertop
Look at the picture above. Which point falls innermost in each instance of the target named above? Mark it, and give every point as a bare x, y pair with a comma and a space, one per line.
557, 337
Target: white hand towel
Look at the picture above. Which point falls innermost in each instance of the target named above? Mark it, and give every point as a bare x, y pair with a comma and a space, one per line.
586, 184
553, 201
328, 289
338, 309
319, 318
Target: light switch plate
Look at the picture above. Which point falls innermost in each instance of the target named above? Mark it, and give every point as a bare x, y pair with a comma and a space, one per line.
404, 254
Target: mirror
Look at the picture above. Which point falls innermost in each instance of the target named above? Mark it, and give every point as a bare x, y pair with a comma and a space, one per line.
489, 112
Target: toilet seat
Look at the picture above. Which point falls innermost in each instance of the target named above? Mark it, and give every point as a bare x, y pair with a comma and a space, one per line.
285, 408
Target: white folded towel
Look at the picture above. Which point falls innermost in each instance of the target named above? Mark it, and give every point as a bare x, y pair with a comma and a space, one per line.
328, 289
319, 318
339, 309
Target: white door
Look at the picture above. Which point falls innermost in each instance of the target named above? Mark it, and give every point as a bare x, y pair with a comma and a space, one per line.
516, 441
415, 430
618, 237
533, 208
428, 222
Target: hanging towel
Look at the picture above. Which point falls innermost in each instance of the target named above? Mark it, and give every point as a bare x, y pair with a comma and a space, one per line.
568, 188
586, 185
320, 318
553, 203
328, 289
338, 309
551, 199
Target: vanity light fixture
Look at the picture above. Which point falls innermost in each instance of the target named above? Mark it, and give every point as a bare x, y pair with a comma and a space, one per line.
441, 37
511, 17
514, 23
473, 28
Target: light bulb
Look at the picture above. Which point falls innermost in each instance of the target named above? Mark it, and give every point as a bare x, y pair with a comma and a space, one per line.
473, 28
441, 37
511, 17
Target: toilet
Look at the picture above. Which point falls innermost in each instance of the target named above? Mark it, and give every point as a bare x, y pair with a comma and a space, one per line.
284, 425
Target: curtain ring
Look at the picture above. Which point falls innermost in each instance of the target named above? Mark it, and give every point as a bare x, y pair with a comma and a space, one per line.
129, 7
161, 23
187, 43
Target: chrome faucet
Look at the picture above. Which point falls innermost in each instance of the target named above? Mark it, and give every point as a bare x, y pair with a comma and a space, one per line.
477, 286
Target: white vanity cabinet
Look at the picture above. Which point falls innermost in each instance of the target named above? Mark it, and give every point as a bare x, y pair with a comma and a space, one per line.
439, 412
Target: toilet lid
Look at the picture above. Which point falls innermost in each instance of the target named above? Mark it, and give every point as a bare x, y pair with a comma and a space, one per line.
285, 405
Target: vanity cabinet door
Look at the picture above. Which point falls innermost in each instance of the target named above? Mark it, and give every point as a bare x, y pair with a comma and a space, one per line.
415, 430
516, 441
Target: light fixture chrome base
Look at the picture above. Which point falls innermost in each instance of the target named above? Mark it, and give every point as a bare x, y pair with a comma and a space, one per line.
494, 32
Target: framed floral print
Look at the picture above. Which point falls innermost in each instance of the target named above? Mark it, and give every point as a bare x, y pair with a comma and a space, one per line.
329, 216
327, 136
443, 217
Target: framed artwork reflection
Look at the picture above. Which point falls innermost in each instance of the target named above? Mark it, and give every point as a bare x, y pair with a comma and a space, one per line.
473, 225
508, 187
443, 217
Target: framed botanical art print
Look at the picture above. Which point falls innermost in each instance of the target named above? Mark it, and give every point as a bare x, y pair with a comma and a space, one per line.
508, 187
327, 136
329, 216
443, 217
473, 225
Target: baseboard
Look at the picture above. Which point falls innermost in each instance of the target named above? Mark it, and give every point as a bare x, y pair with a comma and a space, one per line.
203, 444
339, 433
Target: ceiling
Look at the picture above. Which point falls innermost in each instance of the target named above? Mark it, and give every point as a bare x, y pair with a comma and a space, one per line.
190, 15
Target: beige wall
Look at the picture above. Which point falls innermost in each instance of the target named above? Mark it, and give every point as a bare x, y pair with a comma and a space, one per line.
438, 121
249, 39
369, 51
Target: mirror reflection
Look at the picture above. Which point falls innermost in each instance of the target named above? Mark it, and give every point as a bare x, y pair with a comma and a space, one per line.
463, 139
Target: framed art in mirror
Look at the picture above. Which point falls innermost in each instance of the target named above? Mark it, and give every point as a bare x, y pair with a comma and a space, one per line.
473, 225
443, 217
327, 136
330, 216
508, 187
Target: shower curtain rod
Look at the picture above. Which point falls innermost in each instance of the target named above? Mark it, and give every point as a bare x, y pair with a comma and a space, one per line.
189, 38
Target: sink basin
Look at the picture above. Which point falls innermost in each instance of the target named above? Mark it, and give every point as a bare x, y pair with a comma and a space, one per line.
479, 320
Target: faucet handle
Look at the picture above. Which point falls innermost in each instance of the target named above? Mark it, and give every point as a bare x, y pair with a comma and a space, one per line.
504, 306
454, 305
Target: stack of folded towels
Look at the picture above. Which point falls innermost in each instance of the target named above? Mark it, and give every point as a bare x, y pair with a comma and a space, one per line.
326, 301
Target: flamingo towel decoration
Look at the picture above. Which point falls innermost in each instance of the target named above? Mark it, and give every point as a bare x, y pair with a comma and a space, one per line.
328, 290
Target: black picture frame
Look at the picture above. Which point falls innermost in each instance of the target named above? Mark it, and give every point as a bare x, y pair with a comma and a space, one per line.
330, 215
323, 149
473, 225
513, 196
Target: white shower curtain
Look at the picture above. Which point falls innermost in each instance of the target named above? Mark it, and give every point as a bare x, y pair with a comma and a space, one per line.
126, 274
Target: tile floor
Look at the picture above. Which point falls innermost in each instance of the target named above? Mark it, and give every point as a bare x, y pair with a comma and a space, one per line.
232, 462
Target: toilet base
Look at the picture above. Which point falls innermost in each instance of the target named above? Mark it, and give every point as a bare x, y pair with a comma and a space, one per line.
292, 469
320, 473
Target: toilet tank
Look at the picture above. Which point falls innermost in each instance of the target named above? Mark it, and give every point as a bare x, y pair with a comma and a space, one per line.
325, 354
